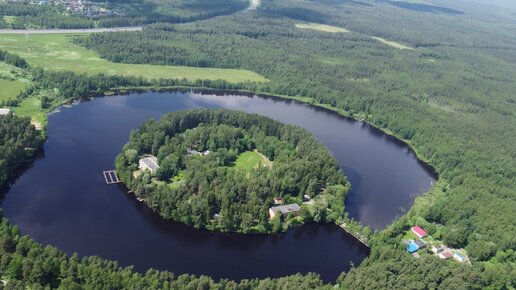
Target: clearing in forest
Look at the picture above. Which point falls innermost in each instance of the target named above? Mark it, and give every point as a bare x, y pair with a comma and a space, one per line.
391, 43
251, 160
57, 52
321, 27
11, 88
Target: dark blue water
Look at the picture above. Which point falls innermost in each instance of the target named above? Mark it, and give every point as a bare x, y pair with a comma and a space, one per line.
63, 199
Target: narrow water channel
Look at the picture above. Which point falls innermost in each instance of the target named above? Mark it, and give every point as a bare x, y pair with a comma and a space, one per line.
63, 199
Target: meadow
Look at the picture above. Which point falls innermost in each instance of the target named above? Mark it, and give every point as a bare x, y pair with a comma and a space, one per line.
391, 43
11, 88
321, 27
251, 160
56, 52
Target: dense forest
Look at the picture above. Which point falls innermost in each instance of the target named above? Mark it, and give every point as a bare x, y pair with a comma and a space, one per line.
18, 142
209, 191
128, 13
450, 96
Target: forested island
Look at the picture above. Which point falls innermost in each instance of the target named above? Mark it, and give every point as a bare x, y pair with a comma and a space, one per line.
232, 171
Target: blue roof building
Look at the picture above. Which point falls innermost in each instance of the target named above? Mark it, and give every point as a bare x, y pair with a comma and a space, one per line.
412, 247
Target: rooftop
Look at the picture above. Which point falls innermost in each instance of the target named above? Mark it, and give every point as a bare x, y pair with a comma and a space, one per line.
285, 209
150, 161
4, 111
420, 243
412, 247
419, 231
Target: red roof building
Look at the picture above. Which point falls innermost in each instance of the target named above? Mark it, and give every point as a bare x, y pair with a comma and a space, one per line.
418, 231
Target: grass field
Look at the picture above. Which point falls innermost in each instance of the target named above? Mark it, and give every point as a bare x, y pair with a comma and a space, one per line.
391, 43
321, 27
335, 29
10, 89
250, 160
56, 52
31, 108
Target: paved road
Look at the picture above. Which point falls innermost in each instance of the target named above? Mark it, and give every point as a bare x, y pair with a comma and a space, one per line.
49, 31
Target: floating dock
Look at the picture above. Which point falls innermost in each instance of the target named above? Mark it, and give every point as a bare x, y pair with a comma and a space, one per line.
110, 177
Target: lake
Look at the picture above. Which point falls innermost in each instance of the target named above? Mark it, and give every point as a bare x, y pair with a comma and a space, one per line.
63, 200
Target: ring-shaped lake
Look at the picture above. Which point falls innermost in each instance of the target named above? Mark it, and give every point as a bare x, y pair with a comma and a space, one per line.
63, 200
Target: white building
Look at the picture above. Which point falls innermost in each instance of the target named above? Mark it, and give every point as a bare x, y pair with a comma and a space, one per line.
5, 111
149, 163
437, 249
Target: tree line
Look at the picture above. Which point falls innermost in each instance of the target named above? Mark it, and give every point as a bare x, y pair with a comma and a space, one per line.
453, 104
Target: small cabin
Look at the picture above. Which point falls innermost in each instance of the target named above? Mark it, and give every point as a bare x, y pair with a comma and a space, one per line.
284, 210
437, 249
459, 257
5, 111
418, 231
445, 255
412, 248
278, 200
193, 152
149, 163
420, 243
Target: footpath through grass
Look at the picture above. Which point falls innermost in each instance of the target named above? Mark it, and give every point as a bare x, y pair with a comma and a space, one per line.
56, 52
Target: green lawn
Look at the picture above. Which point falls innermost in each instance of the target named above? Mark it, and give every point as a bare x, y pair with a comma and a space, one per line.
177, 180
321, 27
250, 160
11, 88
56, 52
31, 107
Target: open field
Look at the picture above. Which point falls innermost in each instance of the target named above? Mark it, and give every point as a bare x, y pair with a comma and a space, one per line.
335, 29
11, 88
391, 43
321, 27
251, 160
56, 52
31, 108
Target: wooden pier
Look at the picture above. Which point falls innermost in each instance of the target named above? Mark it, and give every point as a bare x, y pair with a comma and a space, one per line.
110, 177
359, 237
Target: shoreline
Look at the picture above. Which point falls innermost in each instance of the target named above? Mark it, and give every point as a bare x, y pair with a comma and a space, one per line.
305, 101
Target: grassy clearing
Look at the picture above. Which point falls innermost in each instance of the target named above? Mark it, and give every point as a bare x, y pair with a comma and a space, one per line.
391, 43
321, 27
56, 52
251, 160
177, 180
11, 88
31, 108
